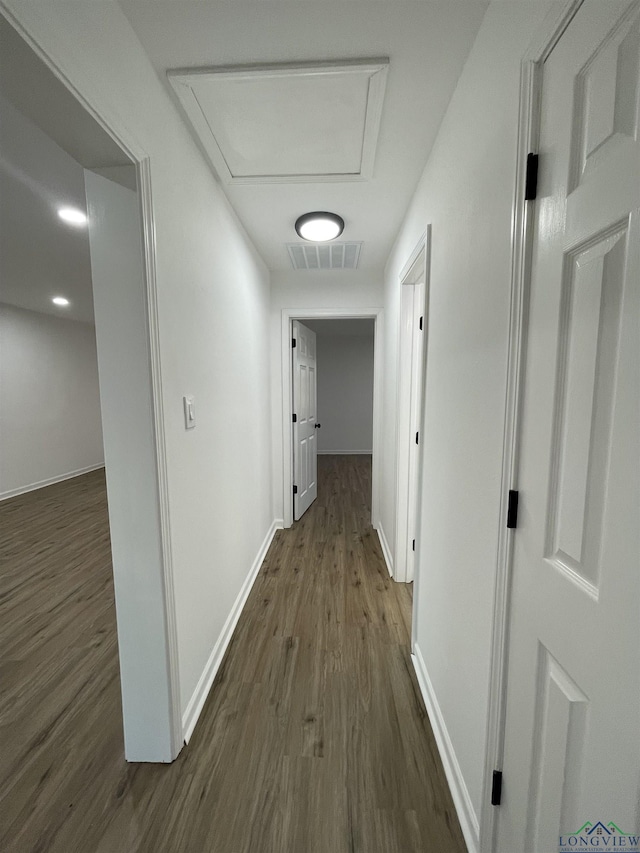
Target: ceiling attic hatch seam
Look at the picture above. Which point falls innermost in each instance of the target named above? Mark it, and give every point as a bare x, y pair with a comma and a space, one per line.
267, 123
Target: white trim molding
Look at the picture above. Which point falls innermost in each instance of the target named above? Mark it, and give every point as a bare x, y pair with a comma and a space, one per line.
302, 314
386, 550
149, 247
459, 792
413, 257
199, 697
521, 244
50, 481
411, 365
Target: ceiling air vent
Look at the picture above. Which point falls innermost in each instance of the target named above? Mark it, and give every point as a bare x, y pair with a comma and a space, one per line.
324, 256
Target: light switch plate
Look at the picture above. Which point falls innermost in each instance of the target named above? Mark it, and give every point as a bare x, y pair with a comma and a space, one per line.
189, 412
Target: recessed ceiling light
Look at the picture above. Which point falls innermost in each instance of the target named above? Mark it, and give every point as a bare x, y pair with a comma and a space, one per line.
73, 216
320, 226
60, 300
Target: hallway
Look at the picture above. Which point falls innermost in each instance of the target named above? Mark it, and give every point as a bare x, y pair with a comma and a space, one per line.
314, 737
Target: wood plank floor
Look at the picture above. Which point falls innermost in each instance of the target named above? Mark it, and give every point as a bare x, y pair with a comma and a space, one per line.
314, 738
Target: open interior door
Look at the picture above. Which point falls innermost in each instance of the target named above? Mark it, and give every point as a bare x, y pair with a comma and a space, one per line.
305, 445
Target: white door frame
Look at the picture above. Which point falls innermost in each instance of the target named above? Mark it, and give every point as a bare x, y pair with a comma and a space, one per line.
113, 126
522, 222
302, 314
409, 397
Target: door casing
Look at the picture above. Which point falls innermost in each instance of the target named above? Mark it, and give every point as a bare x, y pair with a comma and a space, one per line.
410, 411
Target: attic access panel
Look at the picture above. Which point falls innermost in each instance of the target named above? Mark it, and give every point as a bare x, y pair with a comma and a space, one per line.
286, 123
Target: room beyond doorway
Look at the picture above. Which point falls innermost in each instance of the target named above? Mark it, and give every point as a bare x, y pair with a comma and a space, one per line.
310, 317
345, 356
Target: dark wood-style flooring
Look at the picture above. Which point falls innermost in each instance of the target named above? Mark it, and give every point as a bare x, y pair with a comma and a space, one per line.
314, 738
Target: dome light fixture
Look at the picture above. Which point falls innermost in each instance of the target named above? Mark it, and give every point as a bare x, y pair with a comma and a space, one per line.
319, 226
60, 300
72, 216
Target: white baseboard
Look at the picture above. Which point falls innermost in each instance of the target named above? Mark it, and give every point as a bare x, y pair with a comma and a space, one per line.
459, 792
386, 551
199, 697
345, 452
22, 490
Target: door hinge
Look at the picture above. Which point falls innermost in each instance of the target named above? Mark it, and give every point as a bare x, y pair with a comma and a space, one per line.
294, 418
512, 509
496, 788
295, 490
293, 343
421, 319
531, 182
413, 545
417, 437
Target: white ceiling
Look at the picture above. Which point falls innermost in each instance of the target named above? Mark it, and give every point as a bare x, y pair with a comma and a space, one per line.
269, 124
426, 43
33, 89
40, 167
46, 139
41, 256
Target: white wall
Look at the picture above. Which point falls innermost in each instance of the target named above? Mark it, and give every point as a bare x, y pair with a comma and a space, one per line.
466, 193
345, 393
301, 291
50, 425
213, 305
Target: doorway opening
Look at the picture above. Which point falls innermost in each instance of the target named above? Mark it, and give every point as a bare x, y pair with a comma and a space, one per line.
342, 386
411, 379
309, 318
65, 155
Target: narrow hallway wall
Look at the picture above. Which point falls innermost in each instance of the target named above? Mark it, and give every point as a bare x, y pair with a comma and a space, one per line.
466, 193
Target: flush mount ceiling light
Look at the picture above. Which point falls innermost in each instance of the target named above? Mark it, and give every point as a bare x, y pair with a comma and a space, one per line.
72, 216
320, 226
60, 300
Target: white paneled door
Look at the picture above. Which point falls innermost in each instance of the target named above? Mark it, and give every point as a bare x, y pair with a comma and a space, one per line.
305, 444
572, 738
